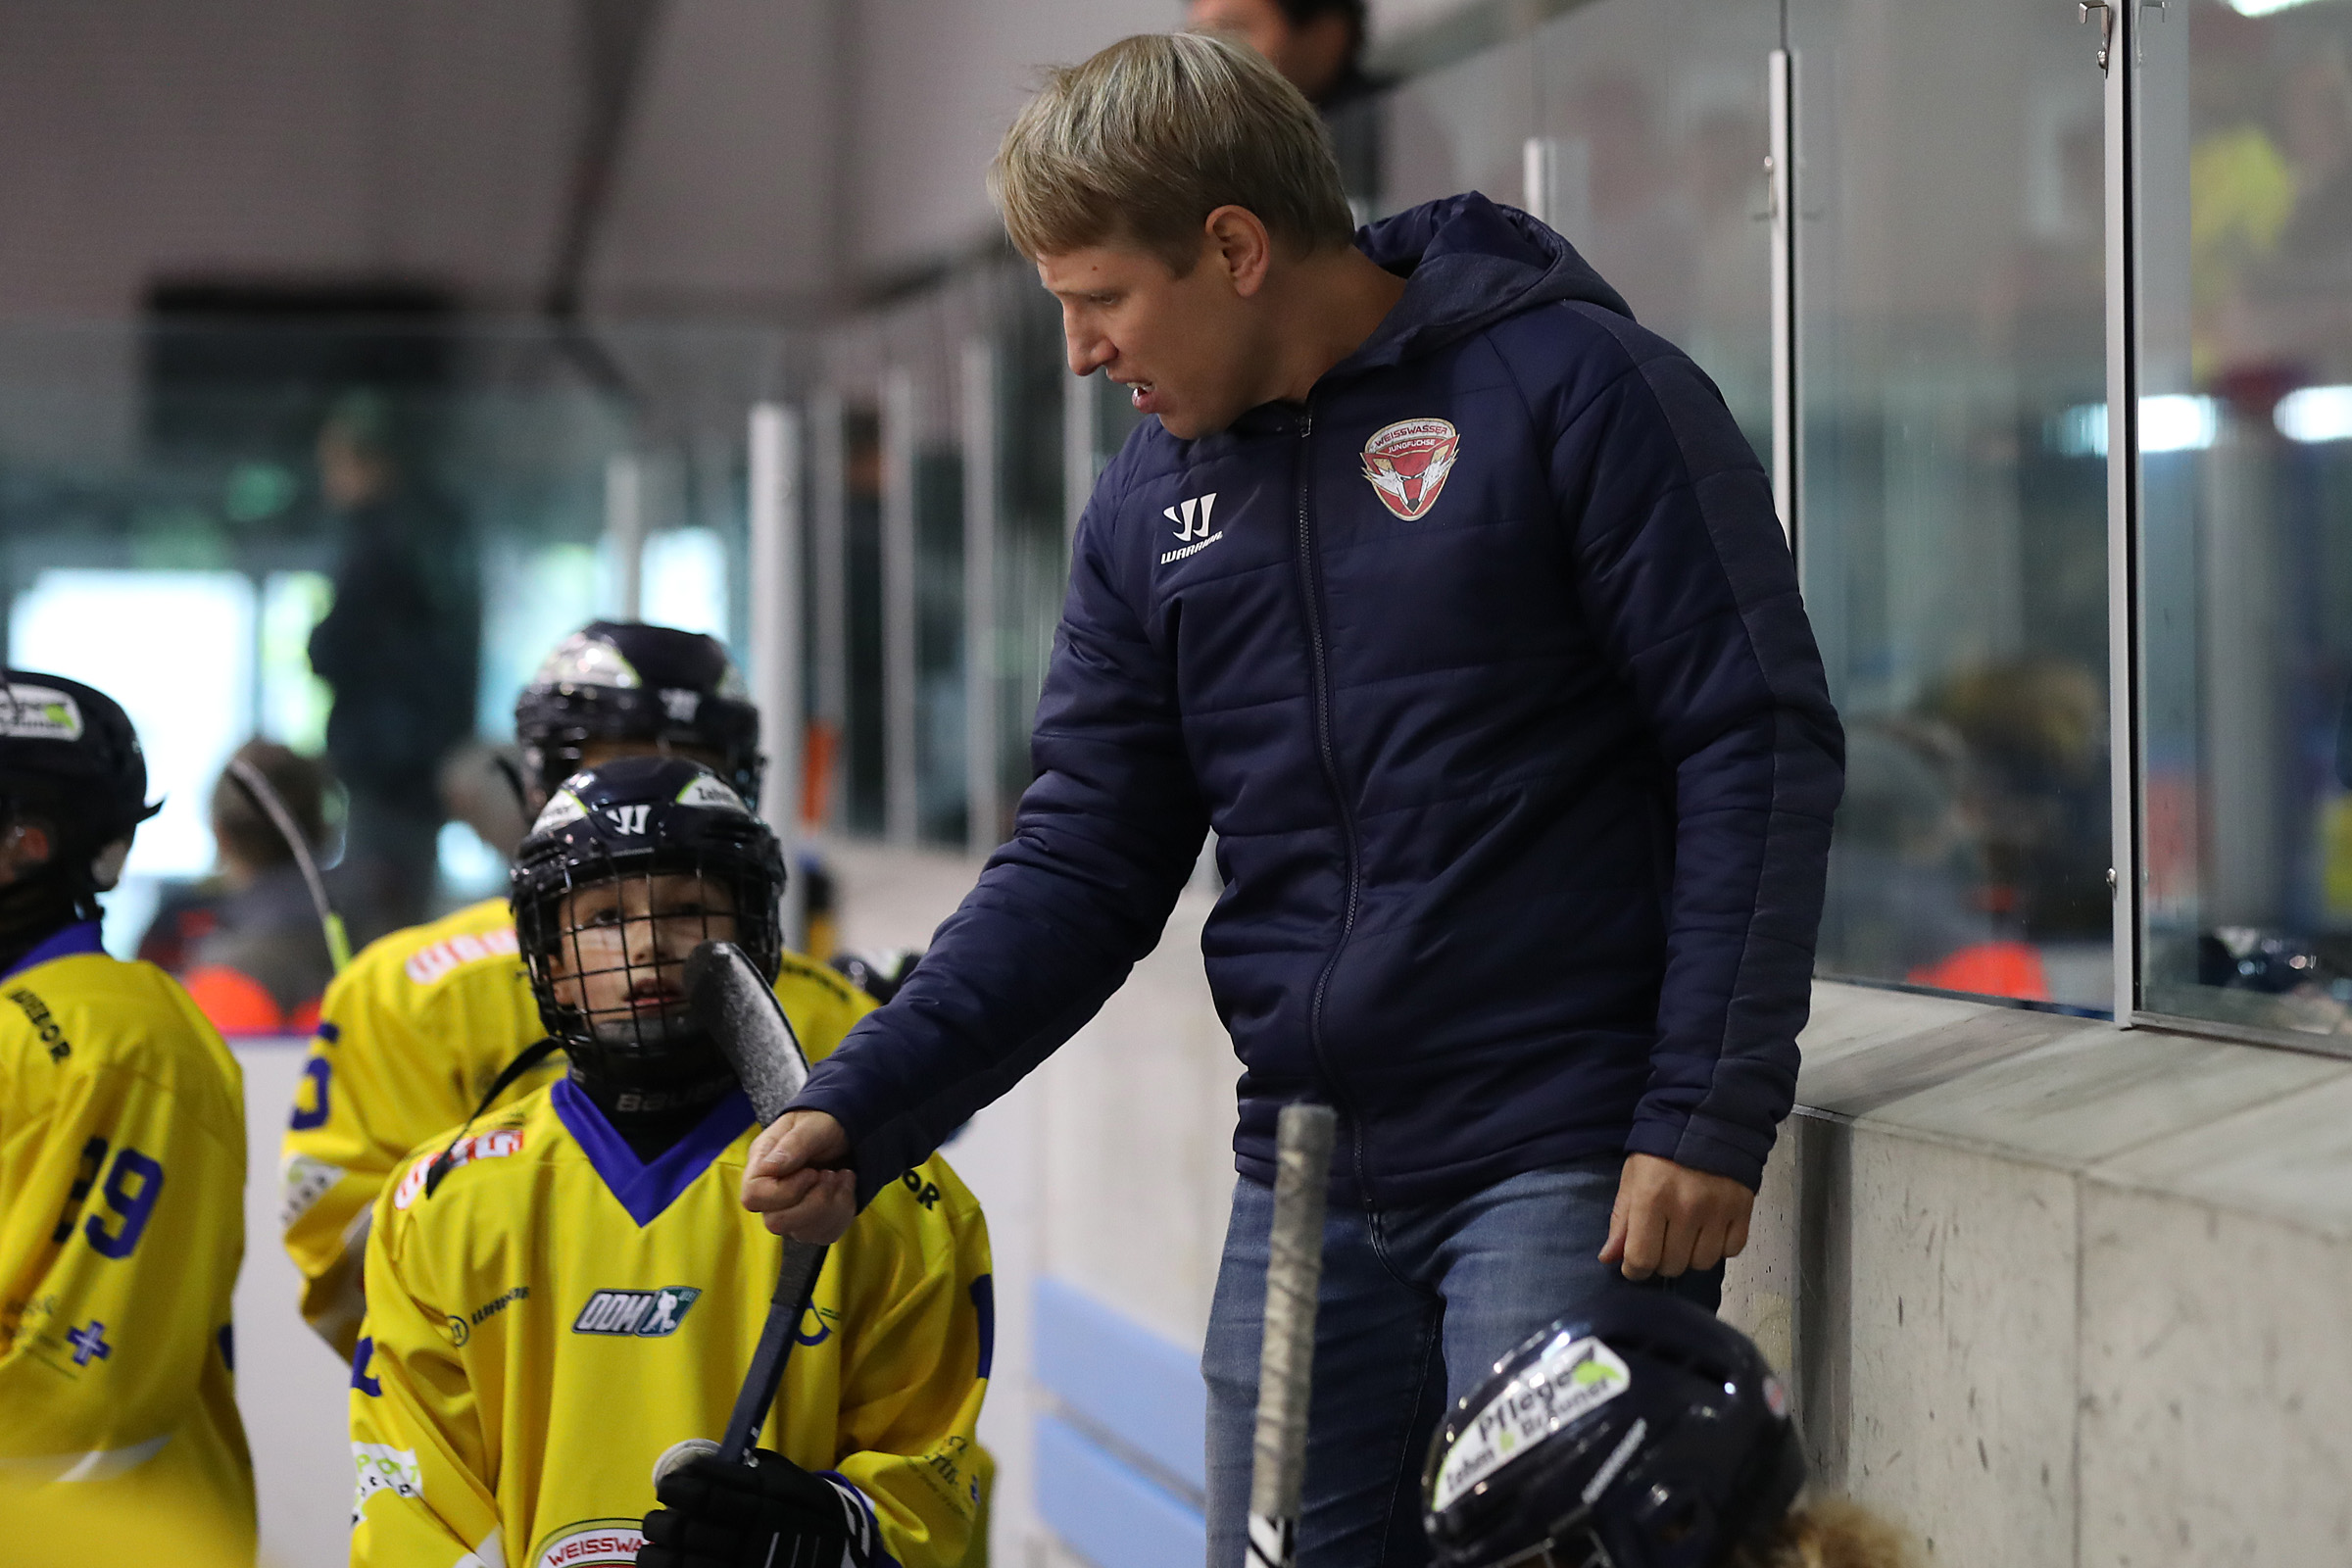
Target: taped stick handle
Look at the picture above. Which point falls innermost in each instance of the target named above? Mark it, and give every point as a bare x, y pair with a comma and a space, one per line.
1303, 1140
796, 1283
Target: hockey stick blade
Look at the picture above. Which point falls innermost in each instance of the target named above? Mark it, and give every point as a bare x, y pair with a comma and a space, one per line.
736, 1005
740, 1011
1286, 1365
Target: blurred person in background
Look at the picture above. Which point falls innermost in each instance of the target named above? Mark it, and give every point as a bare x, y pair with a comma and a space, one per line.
1907, 866
247, 942
422, 1029
122, 1171
481, 786
400, 649
1318, 45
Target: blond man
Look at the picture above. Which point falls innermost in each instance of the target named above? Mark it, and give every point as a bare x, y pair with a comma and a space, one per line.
1453, 599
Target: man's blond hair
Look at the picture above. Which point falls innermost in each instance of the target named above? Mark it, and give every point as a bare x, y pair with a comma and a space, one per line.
1141, 143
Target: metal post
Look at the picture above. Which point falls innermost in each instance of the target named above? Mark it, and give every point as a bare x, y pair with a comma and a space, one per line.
624, 531
775, 630
1081, 428
1555, 184
830, 569
897, 608
1781, 174
2117, 51
984, 805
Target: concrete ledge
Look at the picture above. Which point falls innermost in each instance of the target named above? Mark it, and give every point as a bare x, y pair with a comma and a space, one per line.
2056, 1293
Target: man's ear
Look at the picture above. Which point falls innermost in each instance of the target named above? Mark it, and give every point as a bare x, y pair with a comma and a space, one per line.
1235, 240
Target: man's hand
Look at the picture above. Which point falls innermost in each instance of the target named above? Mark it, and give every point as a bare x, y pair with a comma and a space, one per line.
1670, 1218
790, 1178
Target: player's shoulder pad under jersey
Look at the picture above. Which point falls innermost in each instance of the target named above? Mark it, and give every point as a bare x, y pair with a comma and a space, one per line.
795, 967
928, 1200
527, 1127
124, 1004
91, 1012
474, 935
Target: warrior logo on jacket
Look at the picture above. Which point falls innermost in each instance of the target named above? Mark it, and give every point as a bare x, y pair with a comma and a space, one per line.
1407, 463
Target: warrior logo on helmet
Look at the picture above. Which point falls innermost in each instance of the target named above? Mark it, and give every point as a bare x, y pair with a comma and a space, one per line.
1409, 462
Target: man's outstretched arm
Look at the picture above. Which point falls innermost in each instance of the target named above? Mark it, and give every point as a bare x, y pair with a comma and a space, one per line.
1103, 842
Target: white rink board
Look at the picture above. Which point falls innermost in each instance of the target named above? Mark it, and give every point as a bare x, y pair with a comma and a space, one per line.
291, 1386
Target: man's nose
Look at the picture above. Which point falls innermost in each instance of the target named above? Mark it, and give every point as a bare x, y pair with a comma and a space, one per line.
1089, 351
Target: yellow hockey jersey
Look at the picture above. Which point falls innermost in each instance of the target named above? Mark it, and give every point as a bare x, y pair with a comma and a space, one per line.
556, 1314
121, 1226
409, 1037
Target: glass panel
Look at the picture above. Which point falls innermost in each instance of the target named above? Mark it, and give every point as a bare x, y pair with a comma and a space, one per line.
1652, 114
1032, 567
2245, 457
941, 787
862, 770
1951, 340
359, 542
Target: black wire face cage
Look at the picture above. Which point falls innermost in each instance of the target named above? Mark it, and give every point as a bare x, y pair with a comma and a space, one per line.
623, 942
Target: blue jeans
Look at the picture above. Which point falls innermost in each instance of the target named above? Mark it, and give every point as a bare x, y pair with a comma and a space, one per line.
1417, 1306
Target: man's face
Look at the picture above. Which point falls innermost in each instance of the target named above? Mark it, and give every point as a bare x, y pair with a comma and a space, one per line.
623, 955
1186, 346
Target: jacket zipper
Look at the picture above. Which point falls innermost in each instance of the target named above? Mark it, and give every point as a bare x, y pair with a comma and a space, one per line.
1320, 670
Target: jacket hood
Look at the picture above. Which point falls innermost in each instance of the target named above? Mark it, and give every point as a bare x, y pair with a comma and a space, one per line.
1468, 262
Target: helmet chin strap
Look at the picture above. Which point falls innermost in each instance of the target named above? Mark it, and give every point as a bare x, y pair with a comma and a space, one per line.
652, 1099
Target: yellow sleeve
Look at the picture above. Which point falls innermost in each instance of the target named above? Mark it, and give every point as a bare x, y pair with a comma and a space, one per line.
913, 1378
422, 1493
123, 1253
357, 1113
821, 1002
408, 1038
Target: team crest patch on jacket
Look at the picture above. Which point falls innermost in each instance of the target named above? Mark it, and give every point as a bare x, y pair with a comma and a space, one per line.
429, 963
1407, 463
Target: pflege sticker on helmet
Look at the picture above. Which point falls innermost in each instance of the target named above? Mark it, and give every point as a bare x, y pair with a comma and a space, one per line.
712, 796
1570, 1380
38, 713
583, 661
565, 808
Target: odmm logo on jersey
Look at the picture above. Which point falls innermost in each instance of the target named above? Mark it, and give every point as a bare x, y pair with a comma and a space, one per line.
641, 1314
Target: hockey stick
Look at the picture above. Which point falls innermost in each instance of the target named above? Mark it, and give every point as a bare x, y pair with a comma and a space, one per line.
1286, 1357
257, 785
741, 1011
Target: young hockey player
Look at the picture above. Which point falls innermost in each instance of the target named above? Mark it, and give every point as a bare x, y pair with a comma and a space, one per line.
1645, 1435
418, 1028
581, 1289
123, 1169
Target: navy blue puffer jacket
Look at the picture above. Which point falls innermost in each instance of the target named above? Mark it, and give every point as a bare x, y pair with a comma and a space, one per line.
1489, 669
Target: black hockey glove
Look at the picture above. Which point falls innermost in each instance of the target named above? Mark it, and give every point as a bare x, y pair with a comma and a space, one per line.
777, 1515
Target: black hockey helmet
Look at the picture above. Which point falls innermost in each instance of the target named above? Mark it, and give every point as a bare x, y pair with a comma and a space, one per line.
640, 817
628, 681
69, 759
1646, 1434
